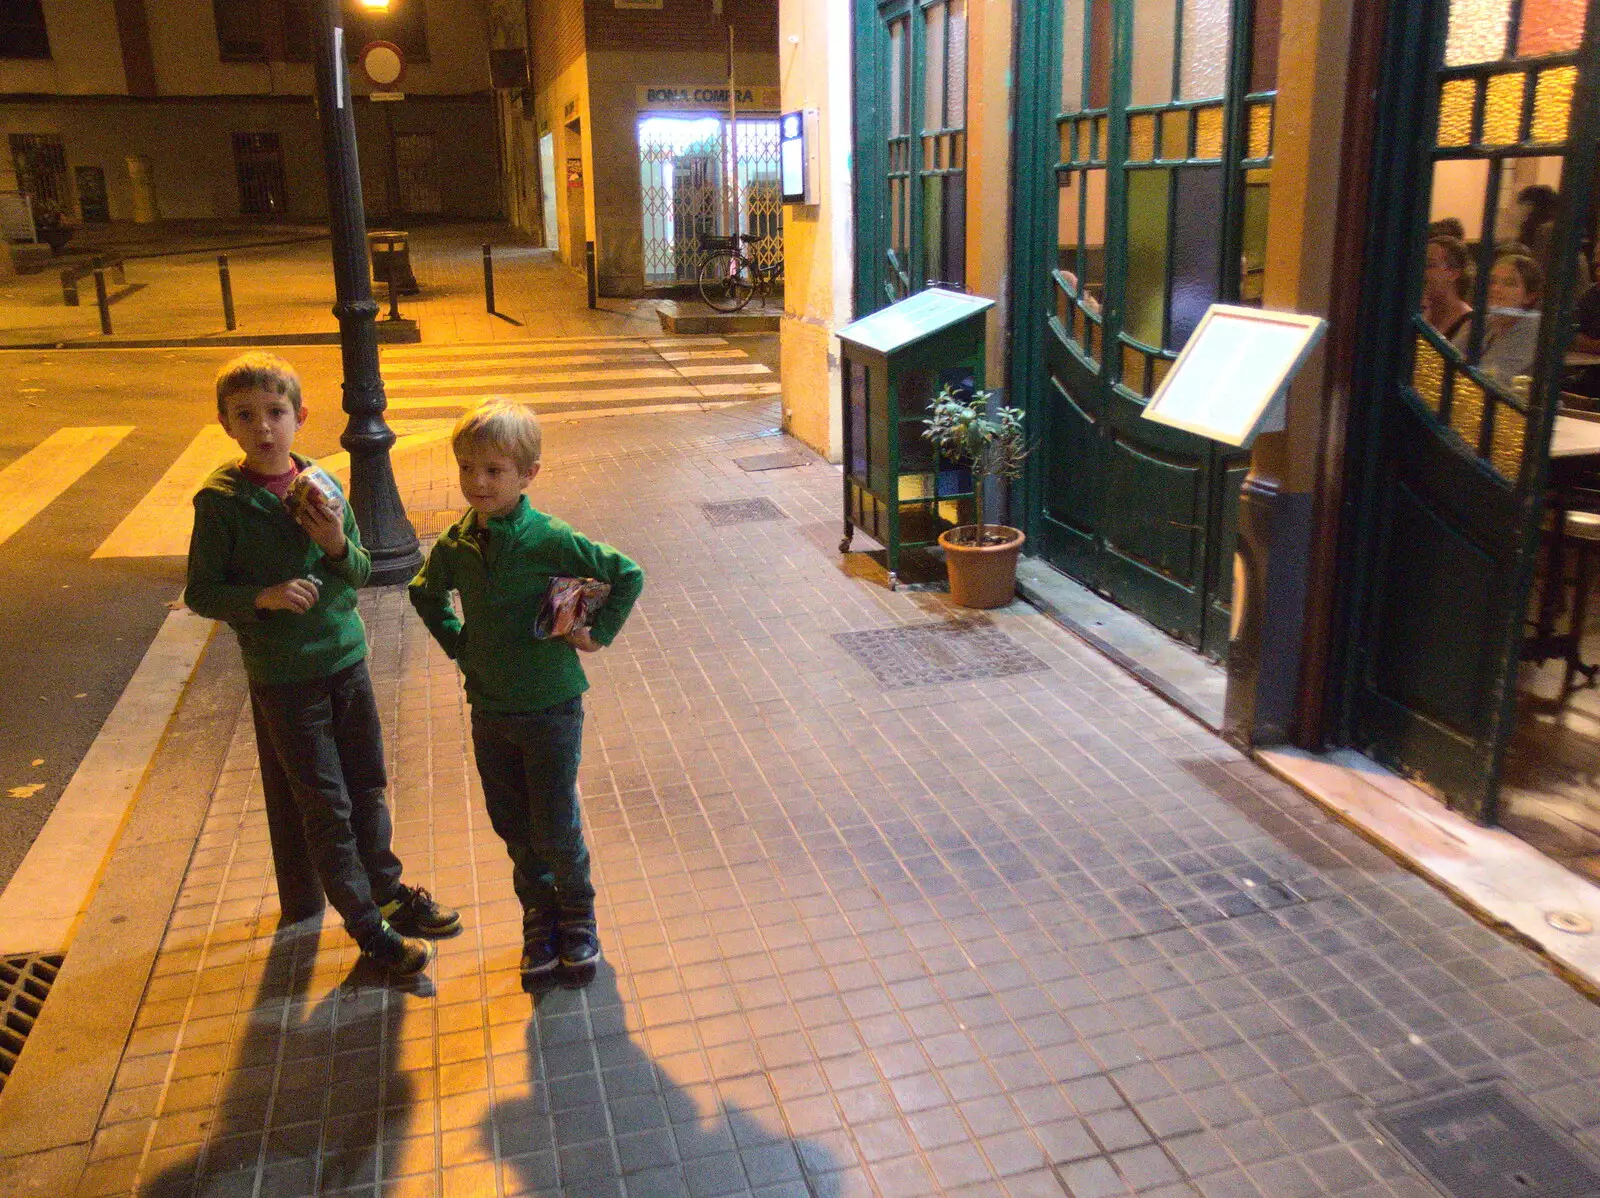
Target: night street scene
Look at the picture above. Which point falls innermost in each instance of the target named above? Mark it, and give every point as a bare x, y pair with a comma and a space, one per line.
800, 598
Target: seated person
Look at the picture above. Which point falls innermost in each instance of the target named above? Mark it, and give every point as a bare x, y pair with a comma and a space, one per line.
1511, 327
1448, 226
1445, 284
1586, 335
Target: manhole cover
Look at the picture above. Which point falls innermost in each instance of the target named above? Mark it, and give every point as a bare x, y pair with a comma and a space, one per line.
1480, 1143
771, 461
741, 511
946, 651
24, 984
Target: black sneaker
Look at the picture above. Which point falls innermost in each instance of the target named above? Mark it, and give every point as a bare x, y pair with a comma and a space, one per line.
413, 912
539, 953
577, 938
400, 955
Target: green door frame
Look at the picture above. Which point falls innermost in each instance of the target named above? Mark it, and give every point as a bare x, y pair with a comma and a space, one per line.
1037, 154
1386, 455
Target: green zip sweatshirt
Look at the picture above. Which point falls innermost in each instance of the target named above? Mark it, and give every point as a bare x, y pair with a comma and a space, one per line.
506, 669
244, 541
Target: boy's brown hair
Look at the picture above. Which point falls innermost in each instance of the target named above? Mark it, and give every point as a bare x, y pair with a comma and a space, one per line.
508, 428
257, 371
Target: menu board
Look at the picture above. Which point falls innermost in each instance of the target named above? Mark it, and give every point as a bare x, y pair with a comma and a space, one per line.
1228, 382
912, 319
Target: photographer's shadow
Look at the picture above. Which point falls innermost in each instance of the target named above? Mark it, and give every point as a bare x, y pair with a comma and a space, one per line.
599, 1109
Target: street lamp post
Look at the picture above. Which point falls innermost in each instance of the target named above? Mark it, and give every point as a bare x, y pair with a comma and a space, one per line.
374, 498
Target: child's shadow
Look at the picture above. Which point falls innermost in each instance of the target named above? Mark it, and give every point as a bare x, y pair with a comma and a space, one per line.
599, 1108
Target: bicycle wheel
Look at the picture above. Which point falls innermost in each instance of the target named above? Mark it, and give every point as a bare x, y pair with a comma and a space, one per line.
726, 281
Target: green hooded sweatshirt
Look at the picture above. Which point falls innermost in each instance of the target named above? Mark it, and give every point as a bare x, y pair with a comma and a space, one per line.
502, 589
245, 541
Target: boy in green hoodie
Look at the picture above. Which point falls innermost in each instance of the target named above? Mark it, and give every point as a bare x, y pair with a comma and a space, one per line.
526, 692
287, 586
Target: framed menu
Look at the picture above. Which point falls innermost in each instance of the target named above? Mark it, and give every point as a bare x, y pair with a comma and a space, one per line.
1229, 382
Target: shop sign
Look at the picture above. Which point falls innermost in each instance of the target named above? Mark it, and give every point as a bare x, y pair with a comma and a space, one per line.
707, 98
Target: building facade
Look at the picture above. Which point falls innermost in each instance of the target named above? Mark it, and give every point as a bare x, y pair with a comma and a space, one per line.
626, 137
1106, 170
203, 109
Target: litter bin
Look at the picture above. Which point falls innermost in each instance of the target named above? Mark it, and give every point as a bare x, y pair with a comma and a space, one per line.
391, 247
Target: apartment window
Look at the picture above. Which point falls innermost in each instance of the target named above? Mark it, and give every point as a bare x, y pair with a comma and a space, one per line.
241, 32
22, 31
258, 160
40, 160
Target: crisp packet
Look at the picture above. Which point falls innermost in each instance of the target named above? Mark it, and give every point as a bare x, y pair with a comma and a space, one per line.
569, 605
313, 479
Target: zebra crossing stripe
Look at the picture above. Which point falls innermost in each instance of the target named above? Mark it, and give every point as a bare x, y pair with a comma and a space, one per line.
159, 524
35, 480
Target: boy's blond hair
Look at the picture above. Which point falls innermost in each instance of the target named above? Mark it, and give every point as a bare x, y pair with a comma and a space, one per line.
257, 371
508, 428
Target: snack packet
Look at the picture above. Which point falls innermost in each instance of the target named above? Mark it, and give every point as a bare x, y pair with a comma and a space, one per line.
313, 479
569, 605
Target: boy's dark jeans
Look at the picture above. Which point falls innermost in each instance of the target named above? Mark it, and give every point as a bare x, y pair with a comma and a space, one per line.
321, 749
528, 763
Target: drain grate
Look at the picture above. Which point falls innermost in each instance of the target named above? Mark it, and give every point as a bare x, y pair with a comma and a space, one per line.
946, 651
1482, 1143
741, 511
24, 984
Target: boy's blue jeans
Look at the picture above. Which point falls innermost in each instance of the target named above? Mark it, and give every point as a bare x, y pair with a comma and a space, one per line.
528, 763
321, 750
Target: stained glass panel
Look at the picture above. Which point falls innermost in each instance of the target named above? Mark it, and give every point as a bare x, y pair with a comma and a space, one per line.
956, 65
1196, 248
1552, 104
1260, 131
1072, 14
1508, 439
1154, 32
933, 77
1141, 137
1146, 260
1427, 374
1267, 18
1466, 410
1549, 27
1094, 234
1455, 111
1208, 133
1133, 370
1175, 134
1207, 30
1099, 53
1253, 236
1502, 109
897, 78
1159, 368
1477, 32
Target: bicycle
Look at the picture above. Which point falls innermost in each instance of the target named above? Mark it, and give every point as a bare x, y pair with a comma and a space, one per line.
729, 279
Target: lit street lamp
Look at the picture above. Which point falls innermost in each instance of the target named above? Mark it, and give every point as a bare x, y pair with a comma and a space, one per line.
385, 530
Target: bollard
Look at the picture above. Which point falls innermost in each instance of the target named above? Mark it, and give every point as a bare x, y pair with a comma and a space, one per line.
488, 277
394, 295
227, 292
589, 270
100, 297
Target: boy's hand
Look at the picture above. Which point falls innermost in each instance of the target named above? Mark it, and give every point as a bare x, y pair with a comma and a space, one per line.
323, 526
297, 595
582, 640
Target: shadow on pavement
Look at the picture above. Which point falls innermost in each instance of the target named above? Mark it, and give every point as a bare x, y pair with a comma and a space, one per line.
599, 1108
311, 1095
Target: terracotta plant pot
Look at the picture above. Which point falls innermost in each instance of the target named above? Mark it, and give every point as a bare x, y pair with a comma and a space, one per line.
982, 576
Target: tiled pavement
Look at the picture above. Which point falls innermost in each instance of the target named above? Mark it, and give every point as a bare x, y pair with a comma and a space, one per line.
1031, 935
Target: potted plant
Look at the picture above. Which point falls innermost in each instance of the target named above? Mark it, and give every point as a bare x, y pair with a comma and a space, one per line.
50, 224
989, 438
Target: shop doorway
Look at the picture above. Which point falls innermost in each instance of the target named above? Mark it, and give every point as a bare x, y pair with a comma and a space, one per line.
258, 164
686, 165
1144, 159
1474, 461
417, 169
92, 201
547, 189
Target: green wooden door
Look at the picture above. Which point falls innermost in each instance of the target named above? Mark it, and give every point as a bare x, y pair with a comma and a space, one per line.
1143, 161
1481, 104
910, 148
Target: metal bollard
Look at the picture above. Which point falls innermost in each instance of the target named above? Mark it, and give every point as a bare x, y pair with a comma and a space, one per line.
589, 270
227, 292
100, 297
488, 278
